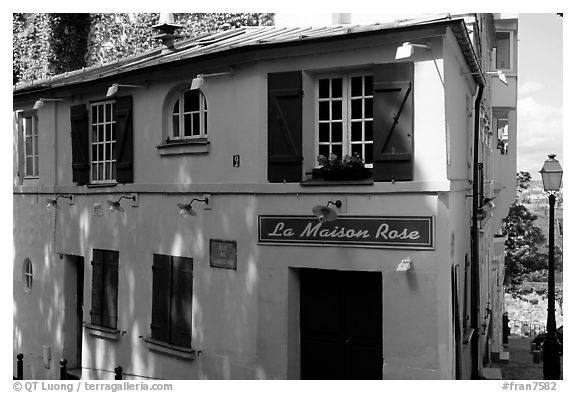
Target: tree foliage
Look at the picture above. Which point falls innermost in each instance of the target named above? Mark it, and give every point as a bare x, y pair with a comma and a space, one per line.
49, 44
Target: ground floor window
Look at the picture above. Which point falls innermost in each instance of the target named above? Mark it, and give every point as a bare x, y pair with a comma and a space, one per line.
104, 310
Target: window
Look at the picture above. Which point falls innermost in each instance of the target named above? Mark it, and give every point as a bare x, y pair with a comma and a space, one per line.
344, 116
503, 50
104, 310
189, 116
172, 300
500, 122
102, 141
27, 274
28, 132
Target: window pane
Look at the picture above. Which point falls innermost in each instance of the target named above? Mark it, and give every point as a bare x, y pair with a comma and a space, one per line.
176, 107
109, 151
113, 150
368, 131
368, 85
27, 126
368, 154
336, 132
205, 123
100, 113
187, 125
324, 88
113, 131
176, 126
196, 124
337, 149
108, 132
94, 133
100, 171
28, 147
356, 131
368, 108
324, 150
191, 101
93, 171
356, 86
337, 87
101, 152
324, 132
356, 109
108, 170
36, 165
324, 110
336, 110
503, 50
113, 170
100, 133
94, 114
94, 153
357, 149
108, 112
29, 165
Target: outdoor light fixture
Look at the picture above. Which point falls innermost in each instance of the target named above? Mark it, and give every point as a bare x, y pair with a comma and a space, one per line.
112, 90
115, 204
54, 202
407, 50
501, 75
325, 213
551, 179
186, 209
40, 103
199, 80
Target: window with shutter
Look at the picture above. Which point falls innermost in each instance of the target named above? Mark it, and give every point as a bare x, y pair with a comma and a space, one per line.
285, 127
394, 122
104, 310
172, 300
28, 146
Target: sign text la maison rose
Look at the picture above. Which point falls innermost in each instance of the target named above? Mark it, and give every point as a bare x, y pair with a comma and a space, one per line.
383, 232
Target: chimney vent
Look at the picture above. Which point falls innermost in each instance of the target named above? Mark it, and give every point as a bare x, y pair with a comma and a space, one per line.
166, 31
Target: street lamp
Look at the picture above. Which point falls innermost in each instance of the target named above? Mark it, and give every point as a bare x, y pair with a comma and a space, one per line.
551, 179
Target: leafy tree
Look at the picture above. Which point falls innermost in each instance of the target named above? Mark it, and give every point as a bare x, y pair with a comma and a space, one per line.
68, 41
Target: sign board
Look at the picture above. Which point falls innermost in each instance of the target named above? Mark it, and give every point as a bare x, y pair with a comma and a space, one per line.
223, 254
401, 232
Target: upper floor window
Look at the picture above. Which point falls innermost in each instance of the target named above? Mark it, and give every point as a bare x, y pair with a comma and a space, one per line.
189, 116
28, 133
504, 50
344, 116
102, 142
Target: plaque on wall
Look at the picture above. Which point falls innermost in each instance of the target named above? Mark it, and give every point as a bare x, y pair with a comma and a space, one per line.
223, 254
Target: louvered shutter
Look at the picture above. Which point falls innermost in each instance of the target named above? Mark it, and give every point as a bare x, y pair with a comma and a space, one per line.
96, 309
123, 147
161, 267
285, 127
80, 144
181, 302
21, 141
394, 122
110, 290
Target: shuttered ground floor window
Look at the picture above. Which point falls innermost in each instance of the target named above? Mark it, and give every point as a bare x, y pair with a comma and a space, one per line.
172, 300
104, 310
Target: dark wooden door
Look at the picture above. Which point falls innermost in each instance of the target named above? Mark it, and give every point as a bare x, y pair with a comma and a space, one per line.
340, 324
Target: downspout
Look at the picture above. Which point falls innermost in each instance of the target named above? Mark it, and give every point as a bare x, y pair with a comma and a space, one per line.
475, 260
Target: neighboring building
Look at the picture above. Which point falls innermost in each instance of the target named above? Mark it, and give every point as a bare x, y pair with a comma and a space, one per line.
405, 284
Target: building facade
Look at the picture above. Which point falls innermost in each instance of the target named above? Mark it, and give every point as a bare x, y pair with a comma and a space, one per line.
180, 241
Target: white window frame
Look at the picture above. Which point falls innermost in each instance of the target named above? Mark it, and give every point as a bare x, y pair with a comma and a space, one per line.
202, 113
510, 51
346, 113
107, 144
33, 155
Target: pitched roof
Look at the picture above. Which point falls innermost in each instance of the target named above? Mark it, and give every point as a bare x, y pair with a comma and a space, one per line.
243, 37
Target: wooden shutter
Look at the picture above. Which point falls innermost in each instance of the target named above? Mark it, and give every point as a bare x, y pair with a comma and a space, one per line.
110, 290
96, 309
181, 302
160, 326
394, 122
80, 144
285, 127
21, 141
124, 140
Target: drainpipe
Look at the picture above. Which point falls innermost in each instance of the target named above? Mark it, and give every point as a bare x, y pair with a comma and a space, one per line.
475, 262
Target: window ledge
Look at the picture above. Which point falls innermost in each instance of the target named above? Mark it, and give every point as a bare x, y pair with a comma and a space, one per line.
102, 332
324, 183
168, 349
95, 185
186, 146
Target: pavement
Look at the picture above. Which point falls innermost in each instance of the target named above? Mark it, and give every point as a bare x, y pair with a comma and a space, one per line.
521, 364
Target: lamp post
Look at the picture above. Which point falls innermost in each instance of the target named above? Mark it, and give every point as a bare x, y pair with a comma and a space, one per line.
551, 179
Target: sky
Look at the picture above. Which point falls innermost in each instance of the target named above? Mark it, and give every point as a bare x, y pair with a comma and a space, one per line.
540, 90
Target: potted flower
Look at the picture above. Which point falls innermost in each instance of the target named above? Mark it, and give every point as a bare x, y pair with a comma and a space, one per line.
347, 168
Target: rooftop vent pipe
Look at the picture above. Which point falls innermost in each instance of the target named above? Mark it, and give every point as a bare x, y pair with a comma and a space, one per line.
166, 31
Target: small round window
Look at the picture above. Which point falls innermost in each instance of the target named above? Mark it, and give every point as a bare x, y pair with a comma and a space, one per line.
27, 274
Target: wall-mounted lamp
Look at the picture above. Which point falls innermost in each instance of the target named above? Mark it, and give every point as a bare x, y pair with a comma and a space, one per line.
112, 90
199, 80
40, 103
186, 209
54, 202
325, 213
407, 49
405, 265
501, 75
115, 204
